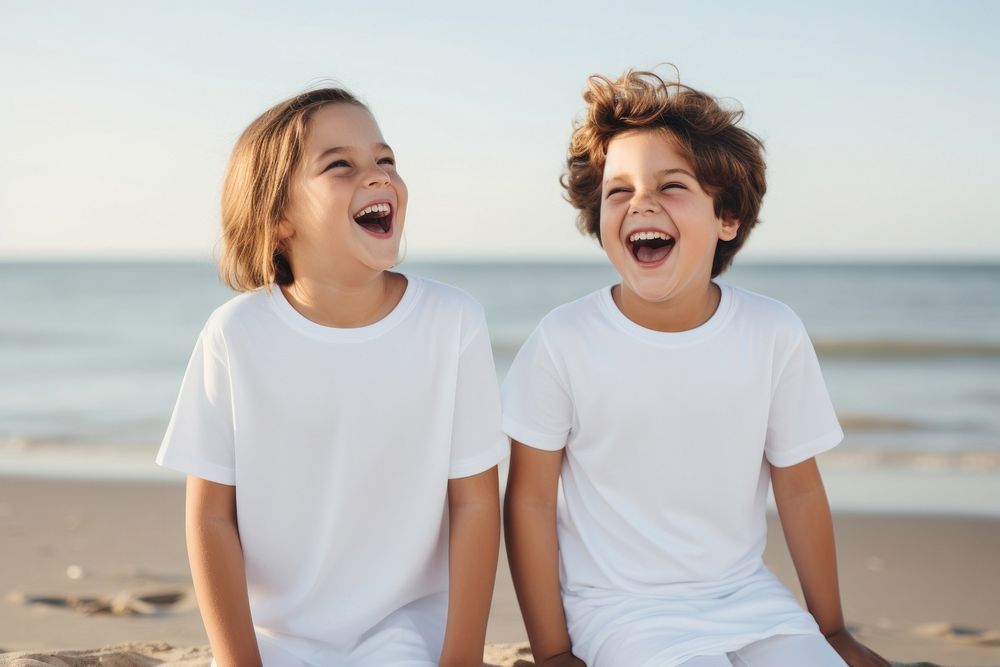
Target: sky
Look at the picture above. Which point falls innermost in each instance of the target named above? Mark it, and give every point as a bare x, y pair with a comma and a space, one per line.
117, 118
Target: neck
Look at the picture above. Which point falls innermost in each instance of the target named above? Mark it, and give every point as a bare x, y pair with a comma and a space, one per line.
679, 313
345, 304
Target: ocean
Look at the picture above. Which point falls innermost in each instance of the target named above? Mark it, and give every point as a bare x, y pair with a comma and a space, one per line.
93, 353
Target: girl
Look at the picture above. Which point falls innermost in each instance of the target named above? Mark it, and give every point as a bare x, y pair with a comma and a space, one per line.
666, 404
338, 422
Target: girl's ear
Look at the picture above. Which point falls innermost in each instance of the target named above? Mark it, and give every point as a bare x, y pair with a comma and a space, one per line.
285, 230
730, 225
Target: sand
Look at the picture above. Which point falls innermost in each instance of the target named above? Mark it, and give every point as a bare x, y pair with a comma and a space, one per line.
102, 564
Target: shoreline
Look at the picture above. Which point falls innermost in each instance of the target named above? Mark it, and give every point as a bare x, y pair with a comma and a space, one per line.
859, 482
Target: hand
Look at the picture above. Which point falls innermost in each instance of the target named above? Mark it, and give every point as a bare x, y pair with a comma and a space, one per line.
566, 659
854, 652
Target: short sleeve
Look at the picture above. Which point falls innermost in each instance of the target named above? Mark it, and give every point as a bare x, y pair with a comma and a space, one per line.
478, 443
802, 422
537, 409
199, 439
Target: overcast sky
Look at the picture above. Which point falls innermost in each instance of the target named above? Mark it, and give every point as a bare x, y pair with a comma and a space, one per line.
117, 118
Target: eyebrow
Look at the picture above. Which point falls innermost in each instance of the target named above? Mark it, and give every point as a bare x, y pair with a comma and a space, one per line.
348, 149
664, 172
677, 170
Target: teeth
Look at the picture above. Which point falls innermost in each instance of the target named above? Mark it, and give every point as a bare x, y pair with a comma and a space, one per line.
374, 208
647, 236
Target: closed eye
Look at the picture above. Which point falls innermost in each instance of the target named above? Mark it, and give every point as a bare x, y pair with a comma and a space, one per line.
615, 191
337, 163
668, 186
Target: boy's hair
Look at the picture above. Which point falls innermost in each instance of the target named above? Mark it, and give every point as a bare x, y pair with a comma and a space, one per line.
256, 189
728, 160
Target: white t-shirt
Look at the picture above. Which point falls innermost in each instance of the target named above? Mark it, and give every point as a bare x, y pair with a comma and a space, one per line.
667, 436
340, 443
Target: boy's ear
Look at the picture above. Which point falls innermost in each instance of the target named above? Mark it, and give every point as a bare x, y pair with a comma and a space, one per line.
730, 225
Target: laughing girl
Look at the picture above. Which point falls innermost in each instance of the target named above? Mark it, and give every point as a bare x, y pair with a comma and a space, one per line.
342, 500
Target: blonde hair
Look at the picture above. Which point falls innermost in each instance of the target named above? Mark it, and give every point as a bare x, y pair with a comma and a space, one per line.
255, 191
728, 160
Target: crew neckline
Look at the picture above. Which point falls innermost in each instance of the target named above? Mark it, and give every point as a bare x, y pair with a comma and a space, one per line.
709, 328
303, 324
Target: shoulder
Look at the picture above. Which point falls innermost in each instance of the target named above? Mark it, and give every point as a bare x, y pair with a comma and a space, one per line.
443, 295
240, 309
573, 317
764, 310
445, 298
446, 303
766, 320
570, 329
242, 318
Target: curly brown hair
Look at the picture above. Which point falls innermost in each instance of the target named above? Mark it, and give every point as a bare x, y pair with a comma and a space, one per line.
728, 161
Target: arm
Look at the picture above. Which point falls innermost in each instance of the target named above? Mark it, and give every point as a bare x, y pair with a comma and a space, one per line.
533, 551
473, 547
808, 527
216, 557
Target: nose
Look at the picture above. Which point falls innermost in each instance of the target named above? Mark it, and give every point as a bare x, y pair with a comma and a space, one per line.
378, 177
642, 203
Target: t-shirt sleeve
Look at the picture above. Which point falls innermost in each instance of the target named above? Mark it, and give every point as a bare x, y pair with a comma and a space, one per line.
802, 422
537, 409
478, 443
199, 439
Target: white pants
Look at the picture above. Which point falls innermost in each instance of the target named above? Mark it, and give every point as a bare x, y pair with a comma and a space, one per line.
777, 651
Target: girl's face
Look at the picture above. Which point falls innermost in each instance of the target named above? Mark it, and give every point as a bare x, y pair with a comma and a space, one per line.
346, 202
658, 226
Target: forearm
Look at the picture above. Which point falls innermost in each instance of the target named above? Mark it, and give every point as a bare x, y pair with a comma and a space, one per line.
533, 553
473, 547
808, 528
217, 568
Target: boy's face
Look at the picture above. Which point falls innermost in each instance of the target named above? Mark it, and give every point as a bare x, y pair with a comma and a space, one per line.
658, 226
346, 202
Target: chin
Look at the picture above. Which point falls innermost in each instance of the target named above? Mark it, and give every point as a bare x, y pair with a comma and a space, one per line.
652, 289
652, 295
381, 265
383, 262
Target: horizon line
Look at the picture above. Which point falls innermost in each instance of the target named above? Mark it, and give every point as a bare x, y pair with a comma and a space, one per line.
896, 260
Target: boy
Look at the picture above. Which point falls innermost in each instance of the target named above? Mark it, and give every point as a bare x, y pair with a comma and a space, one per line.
666, 404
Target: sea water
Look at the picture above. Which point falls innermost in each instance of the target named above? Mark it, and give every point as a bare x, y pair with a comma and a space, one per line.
94, 352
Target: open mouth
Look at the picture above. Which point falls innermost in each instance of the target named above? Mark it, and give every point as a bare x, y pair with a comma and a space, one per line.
375, 218
650, 247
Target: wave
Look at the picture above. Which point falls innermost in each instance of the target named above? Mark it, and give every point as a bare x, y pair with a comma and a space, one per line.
506, 345
868, 422
904, 349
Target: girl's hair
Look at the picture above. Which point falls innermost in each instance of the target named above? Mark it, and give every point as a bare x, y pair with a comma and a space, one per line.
728, 160
256, 189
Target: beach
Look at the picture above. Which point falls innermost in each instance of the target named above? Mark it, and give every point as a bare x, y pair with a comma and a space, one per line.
92, 531
96, 562
852, 224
